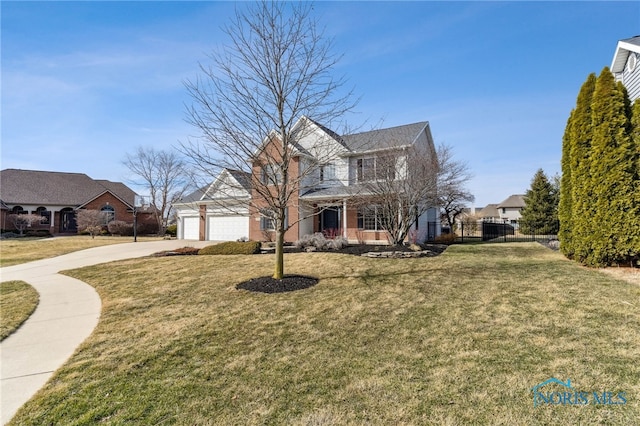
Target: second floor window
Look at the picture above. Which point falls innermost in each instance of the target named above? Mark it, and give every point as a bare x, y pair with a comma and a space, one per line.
327, 172
366, 169
271, 175
376, 168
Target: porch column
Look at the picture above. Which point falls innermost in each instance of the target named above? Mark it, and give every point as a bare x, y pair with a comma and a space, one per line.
344, 218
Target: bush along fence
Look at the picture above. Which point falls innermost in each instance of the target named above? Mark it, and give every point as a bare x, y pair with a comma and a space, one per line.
495, 232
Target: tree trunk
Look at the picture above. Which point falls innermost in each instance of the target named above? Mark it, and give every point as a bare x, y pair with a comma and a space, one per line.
279, 269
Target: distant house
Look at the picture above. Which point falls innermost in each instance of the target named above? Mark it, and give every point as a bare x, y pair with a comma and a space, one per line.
57, 196
489, 213
625, 65
323, 204
509, 210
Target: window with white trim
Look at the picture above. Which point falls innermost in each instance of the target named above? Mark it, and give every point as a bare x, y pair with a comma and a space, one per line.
370, 218
382, 167
42, 211
271, 174
327, 172
109, 214
268, 219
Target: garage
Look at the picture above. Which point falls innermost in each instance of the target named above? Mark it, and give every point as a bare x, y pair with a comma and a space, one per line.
227, 228
191, 228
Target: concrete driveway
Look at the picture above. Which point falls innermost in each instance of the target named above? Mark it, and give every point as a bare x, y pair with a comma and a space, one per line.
66, 315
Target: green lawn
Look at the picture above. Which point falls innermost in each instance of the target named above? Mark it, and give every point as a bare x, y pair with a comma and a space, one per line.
17, 301
456, 339
22, 250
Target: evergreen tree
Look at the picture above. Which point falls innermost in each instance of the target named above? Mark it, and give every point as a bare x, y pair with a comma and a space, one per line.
540, 211
580, 134
611, 180
565, 213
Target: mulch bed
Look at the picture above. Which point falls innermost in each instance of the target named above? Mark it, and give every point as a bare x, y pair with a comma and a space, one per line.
360, 249
272, 285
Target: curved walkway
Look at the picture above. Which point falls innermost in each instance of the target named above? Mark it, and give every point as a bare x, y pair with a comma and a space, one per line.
66, 315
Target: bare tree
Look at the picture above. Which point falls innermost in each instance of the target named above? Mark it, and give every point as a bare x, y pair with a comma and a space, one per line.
23, 221
453, 175
163, 174
403, 190
91, 221
249, 106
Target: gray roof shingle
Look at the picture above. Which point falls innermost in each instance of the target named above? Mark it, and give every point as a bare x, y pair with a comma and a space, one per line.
33, 187
392, 137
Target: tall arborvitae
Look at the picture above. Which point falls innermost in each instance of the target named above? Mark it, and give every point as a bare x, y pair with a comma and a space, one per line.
610, 182
580, 134
565, 214
539, 215
635, 140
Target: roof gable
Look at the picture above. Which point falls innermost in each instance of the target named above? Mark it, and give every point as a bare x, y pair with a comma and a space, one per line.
229, 184
623, 49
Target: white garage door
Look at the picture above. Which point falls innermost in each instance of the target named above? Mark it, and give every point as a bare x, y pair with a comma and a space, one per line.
191, 229
228, 228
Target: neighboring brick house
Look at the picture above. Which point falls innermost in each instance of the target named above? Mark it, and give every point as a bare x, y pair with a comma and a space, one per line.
625, 65
325, 200
57, 196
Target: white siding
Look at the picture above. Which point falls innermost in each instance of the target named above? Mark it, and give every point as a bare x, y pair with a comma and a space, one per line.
631, 79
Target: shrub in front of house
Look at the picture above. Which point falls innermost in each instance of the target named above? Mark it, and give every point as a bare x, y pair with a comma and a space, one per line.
320, 242
119, 227
172, 230
232, 247
147, 228
446, 238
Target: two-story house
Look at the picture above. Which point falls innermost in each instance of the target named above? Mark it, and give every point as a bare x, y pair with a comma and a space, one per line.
625, 65
332, 175
510, 209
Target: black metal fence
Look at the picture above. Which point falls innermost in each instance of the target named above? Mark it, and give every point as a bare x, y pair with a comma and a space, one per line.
505, 232
497, 232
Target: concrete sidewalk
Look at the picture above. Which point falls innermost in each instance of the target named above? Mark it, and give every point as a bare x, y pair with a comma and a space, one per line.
66, 315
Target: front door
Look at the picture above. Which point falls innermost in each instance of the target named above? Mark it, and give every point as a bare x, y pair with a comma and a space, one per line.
68, 220
330, 221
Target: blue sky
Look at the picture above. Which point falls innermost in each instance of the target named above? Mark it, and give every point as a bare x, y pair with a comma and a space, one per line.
84, 83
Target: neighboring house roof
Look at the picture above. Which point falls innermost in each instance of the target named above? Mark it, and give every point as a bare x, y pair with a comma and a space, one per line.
491, 210
33, 187
393, 137
514, 201
622, 53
